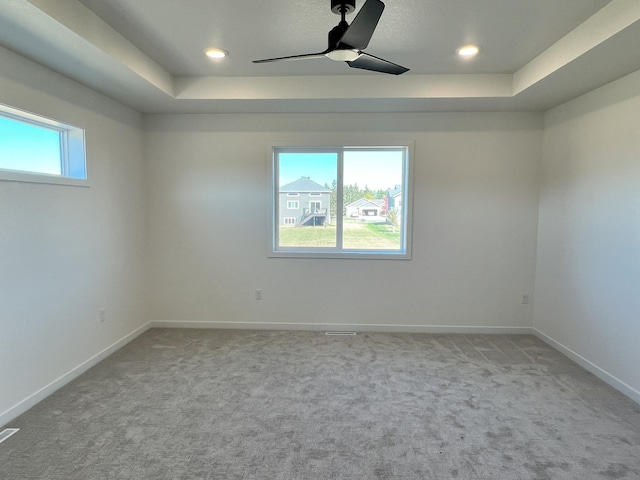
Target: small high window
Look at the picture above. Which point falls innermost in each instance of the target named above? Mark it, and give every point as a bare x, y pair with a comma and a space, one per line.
41, 150
351, 202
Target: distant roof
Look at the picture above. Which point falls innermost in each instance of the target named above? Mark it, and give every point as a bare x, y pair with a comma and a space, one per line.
392, 192
304, 184
365, 201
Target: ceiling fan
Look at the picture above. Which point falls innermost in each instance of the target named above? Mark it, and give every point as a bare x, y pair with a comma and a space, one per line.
348, 41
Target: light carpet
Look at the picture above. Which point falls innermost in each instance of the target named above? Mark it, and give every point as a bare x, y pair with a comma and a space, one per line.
237, 404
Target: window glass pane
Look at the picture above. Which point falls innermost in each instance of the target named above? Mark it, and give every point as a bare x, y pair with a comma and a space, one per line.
372, 199
338, 201
306, 201
29, 148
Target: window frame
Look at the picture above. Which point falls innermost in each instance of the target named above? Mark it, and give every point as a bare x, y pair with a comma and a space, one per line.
276, 251
73, 165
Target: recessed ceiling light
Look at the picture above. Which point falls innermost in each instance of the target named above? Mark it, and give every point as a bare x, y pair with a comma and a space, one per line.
216, 53
468, 51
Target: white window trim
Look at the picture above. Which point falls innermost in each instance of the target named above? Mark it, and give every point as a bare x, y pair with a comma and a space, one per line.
293, 202
73, 156
328, 253
292, 220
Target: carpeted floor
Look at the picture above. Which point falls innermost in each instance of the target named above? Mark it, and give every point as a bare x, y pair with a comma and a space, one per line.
222, 404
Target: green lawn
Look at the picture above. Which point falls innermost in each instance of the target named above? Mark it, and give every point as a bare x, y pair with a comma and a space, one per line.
357, 235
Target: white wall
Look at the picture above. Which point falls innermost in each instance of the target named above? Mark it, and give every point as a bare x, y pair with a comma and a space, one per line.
474, 228
67, 251
588, 265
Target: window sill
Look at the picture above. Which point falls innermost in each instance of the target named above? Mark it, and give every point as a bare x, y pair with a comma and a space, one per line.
353, 255
27, 177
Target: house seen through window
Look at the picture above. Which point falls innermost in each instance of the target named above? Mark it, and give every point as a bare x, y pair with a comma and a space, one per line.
349, 201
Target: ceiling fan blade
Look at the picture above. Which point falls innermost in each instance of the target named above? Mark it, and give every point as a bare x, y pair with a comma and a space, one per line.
375, 64
306, 56
361, 29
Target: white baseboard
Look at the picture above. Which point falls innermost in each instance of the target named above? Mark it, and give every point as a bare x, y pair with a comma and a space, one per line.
21, 407
340, 327
603, 375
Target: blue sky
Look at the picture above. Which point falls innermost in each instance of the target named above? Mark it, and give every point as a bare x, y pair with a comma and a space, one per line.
378, 170
28, 147
319, 167
375, 169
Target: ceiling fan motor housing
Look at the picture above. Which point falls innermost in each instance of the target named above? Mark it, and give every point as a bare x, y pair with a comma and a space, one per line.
337, 6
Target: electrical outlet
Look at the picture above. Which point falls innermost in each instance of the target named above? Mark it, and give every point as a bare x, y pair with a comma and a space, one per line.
103, 315
525, 298
259, 294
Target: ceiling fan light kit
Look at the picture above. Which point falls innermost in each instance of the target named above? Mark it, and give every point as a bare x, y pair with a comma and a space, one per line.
348, 41
343, 55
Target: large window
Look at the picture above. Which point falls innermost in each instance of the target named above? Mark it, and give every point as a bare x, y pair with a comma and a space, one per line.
38, 149
352, 202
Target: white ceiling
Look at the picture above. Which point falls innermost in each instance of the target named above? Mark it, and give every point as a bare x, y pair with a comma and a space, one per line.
149, 53
422, 34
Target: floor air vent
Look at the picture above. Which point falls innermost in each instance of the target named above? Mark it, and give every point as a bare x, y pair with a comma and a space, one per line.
6, 433
339, 333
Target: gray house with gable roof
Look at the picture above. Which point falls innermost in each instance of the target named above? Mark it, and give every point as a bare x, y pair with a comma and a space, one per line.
304, 202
